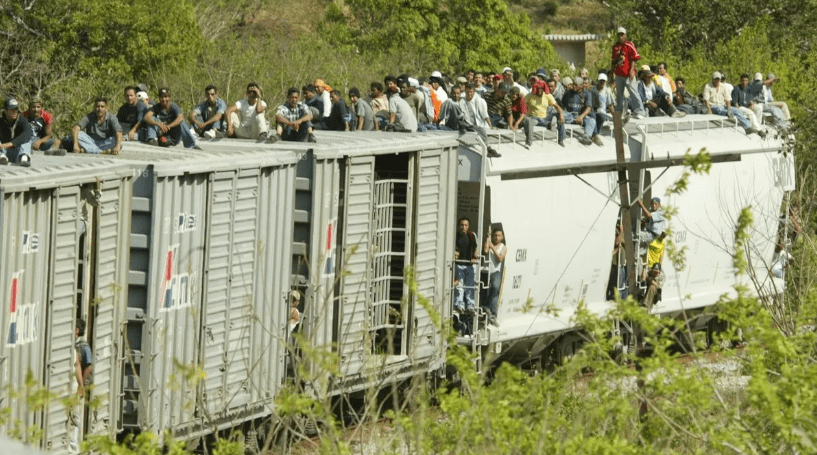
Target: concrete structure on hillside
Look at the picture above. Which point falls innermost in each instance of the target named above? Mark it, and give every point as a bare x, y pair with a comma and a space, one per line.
572, 47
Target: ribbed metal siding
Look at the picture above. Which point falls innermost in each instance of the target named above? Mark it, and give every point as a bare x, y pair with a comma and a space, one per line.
355, 265
60, 373
324, 257
276, 196
432, 216
112, 229
170, 336
228, 309
23, 286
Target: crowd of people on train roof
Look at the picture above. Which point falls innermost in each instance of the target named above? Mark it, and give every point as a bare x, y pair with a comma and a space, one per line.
475, 101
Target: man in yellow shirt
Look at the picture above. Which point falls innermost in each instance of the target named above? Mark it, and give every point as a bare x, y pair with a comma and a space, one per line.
538, 102
655, 250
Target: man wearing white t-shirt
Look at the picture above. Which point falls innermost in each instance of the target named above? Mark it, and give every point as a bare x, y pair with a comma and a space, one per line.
246, 119
495, 249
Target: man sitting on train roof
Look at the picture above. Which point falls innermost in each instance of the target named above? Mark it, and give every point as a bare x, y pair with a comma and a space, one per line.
438, 85
558, 90
130, 116
542, 108
475, 116
510, 76
15, 135
363, 115
653, 97
401, 117
451, 113
293, 119
603, 103
718, 101
499, 106
96, 132
519, 111
339, 116
479, 84
165, 125
763, 97
40, 121
655, 220
246, 119
742, 98
322, 90
207, 117
685, 101
409, 93
577, 109
313, 102
379, 103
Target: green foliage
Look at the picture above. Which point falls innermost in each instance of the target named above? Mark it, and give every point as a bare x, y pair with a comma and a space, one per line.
742, 237
452, 36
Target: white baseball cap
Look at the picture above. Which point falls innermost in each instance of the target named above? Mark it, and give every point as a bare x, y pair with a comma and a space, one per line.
621, 30
602, 77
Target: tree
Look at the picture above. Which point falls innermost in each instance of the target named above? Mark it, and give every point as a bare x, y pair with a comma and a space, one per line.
450, 36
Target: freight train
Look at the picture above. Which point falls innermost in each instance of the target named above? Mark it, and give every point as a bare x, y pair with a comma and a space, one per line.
184, 262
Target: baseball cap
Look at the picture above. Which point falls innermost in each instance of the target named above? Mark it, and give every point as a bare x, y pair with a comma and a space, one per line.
436, 74
621, 30
717, 75
462, 80
507, 69
505, 87
656, 199
758, 76
141, 96
771, 76
602, 77
567, 81
414, 82
164, 91
578, 81
515, 90
296, 295
11, 104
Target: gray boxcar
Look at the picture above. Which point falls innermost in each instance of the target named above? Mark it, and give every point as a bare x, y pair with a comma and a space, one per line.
55, 217
369, 206
208, 275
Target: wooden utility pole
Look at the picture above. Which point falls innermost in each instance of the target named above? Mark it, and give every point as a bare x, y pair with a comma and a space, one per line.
624, 195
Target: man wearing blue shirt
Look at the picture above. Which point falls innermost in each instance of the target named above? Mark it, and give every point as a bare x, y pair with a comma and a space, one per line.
206, 117
655, 221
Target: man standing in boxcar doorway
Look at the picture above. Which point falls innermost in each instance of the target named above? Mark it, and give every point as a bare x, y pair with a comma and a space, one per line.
83, 372
466, 255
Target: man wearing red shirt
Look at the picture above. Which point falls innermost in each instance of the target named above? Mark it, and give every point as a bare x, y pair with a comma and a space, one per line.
624, 57
519, 110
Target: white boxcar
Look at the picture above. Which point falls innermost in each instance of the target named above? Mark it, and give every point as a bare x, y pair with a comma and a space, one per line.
558, 208
62, 243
